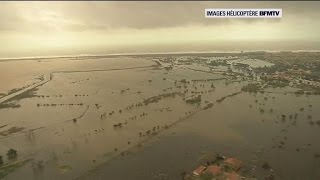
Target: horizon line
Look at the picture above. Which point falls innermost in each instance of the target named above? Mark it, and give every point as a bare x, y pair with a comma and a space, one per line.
146, 53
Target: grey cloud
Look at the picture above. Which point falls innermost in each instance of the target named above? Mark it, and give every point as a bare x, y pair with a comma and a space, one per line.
82, 16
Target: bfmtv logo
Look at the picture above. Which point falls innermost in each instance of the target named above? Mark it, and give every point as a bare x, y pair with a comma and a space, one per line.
269, 13
243, 13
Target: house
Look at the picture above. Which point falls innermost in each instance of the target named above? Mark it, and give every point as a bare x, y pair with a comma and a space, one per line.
235, 164
214, 170
199, 170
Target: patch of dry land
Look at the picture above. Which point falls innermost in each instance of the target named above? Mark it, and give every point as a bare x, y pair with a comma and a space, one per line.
72, 116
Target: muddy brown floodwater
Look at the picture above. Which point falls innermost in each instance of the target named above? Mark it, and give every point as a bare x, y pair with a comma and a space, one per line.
127, 118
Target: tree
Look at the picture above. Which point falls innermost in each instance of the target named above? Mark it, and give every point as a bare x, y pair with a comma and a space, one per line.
1, 160
12, 154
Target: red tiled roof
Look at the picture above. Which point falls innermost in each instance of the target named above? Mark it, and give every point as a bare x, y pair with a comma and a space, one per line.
214, 170
233, 176
233, 163
199, 170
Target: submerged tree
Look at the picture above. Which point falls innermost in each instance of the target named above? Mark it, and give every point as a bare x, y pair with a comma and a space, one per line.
12, 154
1, 160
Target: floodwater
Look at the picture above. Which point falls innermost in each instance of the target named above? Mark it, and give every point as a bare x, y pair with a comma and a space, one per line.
68, 124
241, 132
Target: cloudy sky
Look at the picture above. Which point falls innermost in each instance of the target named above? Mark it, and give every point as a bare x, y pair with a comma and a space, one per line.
67, 28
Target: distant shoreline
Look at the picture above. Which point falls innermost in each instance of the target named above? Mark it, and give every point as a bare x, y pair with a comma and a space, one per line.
146, 54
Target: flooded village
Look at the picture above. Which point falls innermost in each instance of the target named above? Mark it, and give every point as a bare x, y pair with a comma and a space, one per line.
240, 115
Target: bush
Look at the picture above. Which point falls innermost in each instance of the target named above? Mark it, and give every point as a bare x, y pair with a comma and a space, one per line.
206, 176
251, 88
194, 100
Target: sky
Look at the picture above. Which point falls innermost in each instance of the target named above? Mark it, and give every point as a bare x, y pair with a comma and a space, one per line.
70, 28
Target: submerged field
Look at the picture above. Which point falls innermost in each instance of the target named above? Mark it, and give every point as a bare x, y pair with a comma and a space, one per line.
152, 118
